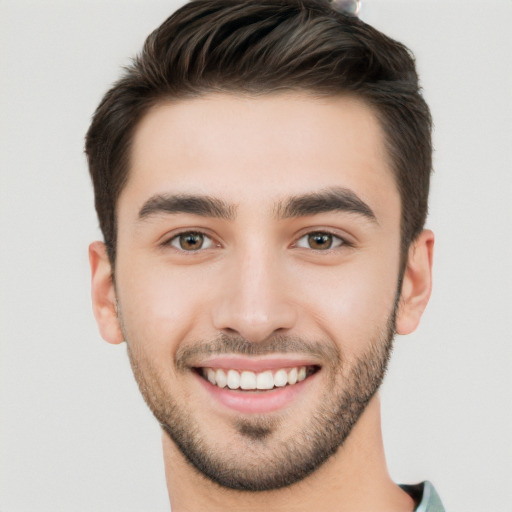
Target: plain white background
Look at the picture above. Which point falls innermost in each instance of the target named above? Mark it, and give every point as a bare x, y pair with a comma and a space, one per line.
75, 435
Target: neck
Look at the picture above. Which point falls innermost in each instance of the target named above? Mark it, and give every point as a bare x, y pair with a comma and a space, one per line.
355, 479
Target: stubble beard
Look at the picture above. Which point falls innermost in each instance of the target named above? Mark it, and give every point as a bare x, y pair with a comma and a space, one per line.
267, 457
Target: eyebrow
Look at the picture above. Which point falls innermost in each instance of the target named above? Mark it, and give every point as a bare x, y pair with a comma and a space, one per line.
205, 206
330, 200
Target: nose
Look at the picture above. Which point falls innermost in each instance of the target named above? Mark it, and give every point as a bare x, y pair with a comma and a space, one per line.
256, 302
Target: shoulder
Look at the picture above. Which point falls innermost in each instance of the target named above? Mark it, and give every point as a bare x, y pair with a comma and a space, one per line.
425, 496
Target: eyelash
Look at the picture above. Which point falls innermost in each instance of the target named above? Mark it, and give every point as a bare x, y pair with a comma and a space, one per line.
337, 240
176, 239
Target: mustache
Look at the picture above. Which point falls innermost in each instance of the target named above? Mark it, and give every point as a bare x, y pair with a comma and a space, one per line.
234, 344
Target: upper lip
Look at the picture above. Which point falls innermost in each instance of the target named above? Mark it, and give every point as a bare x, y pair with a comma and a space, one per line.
232, 362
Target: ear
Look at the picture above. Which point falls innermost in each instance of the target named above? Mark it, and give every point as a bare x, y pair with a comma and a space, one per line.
417, 283
103, 294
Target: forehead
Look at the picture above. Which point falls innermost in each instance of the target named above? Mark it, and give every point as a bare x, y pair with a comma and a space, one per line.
251, 150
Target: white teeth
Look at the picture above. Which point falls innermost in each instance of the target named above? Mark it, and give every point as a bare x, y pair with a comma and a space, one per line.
265, 380
248, 380
292, 376
280, 378
210, 375
221, 379
233, 379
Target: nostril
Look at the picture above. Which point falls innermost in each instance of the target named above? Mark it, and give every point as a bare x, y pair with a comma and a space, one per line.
255, 317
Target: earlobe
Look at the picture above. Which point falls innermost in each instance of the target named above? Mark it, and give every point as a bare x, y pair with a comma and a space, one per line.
103, 294
417, 283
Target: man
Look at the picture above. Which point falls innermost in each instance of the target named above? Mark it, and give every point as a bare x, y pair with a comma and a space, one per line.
261, 176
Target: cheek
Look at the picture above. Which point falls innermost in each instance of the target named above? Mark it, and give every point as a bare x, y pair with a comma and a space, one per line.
351, 304
160, 305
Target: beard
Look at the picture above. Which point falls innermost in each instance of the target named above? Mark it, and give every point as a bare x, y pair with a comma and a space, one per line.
267, 452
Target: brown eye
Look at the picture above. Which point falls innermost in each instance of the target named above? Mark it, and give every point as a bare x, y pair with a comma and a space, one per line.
191, 241
319, 241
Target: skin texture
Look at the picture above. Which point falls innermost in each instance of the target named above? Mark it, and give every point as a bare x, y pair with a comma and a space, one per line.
258, 289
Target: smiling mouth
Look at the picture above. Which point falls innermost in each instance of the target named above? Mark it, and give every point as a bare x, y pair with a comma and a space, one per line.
244, 380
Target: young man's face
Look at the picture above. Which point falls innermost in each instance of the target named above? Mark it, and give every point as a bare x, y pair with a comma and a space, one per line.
258, 244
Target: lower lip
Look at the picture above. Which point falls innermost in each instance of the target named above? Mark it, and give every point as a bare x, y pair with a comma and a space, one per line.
257, 402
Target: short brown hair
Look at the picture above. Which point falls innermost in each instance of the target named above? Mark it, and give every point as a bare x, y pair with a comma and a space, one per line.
264, 46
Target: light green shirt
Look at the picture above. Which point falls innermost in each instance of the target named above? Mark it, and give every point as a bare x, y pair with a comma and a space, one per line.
425, 492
